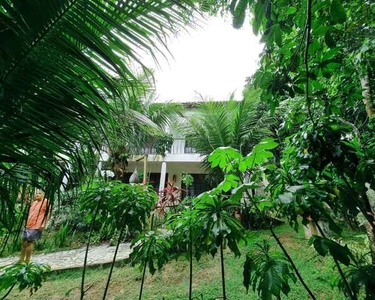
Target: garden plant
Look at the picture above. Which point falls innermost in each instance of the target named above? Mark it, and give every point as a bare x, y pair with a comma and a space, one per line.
299, 148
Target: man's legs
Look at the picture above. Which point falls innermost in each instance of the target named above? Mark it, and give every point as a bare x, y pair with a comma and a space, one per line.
29, 250
26, 251
23, 251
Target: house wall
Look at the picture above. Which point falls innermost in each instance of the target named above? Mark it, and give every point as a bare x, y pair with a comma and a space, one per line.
176, 165
180, 159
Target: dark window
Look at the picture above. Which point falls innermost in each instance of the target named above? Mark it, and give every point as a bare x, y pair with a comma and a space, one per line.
153, 179
199, 186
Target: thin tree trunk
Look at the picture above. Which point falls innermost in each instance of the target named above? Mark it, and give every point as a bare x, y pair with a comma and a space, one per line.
114, 260
191, 267
143, 281
5, 240
22, 223
366, 93
8, 292
222, 270
291, 262
144, 271
87, 250
352, 295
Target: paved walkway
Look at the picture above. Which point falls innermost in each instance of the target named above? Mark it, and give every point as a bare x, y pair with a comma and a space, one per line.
71, 259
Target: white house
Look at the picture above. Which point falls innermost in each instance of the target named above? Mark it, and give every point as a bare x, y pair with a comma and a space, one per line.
179, 160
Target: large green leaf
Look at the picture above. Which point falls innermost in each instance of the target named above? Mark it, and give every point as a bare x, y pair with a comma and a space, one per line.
259, 154
324, 246
222, 156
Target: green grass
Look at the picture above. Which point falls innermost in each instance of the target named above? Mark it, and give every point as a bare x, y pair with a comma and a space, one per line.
172, 282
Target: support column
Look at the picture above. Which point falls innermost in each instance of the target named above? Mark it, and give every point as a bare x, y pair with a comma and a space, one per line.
163, 172
145, 169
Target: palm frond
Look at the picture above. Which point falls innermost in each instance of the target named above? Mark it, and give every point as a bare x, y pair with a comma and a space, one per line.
238, 124
59, 63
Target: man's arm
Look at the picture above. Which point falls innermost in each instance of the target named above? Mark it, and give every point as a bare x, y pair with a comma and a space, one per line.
46, 213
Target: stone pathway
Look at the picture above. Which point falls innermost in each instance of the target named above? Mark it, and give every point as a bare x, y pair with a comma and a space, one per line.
71, 259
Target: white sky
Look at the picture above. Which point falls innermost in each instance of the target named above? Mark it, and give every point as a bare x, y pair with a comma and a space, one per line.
213, 60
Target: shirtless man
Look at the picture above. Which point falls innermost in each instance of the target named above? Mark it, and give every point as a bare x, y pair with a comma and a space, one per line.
36, 222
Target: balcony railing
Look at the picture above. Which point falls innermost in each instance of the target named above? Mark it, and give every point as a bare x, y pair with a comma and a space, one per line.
179, 146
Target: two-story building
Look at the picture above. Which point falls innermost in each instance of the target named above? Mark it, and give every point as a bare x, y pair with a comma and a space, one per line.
180, 159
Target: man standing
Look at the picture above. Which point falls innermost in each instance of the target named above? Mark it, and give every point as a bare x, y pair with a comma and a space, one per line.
36, 222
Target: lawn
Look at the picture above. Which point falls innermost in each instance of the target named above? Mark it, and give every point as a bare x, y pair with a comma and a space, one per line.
172, 282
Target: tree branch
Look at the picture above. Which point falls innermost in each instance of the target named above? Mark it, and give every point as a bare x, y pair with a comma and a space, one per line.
308, 37
349, 290
285, 253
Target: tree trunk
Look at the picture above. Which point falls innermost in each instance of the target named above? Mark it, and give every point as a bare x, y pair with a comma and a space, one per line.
87, 248
222, 271
114, 259
369, 198
191, 269
367, 93
371, 238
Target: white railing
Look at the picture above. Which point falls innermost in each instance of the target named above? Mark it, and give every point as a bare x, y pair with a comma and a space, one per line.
179, 146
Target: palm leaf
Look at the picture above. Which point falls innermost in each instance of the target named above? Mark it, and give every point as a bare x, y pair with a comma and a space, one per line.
236, 124
60, 63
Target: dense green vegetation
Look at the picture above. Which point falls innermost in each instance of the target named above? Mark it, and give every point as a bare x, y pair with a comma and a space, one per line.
300, 149
172, 282
235, 124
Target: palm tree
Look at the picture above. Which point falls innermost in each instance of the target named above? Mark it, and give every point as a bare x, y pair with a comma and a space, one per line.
138, 123
60, 62
236, 124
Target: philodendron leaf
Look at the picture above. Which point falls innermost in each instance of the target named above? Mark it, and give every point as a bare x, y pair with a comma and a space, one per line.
323, 245
230, 181
265, 144
223, 156
259, 154
267, 273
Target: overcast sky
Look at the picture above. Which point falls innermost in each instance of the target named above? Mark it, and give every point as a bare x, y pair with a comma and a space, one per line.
213, 60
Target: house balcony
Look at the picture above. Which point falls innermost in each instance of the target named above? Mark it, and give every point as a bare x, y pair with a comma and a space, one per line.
180, 152
179, 146
181, 158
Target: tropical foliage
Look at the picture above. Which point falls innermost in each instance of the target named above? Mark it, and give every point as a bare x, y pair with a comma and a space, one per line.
150, 249
236, 124
139, 123
67, 82
318, 64
61, 62
118, 206
267, 273
28, 276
